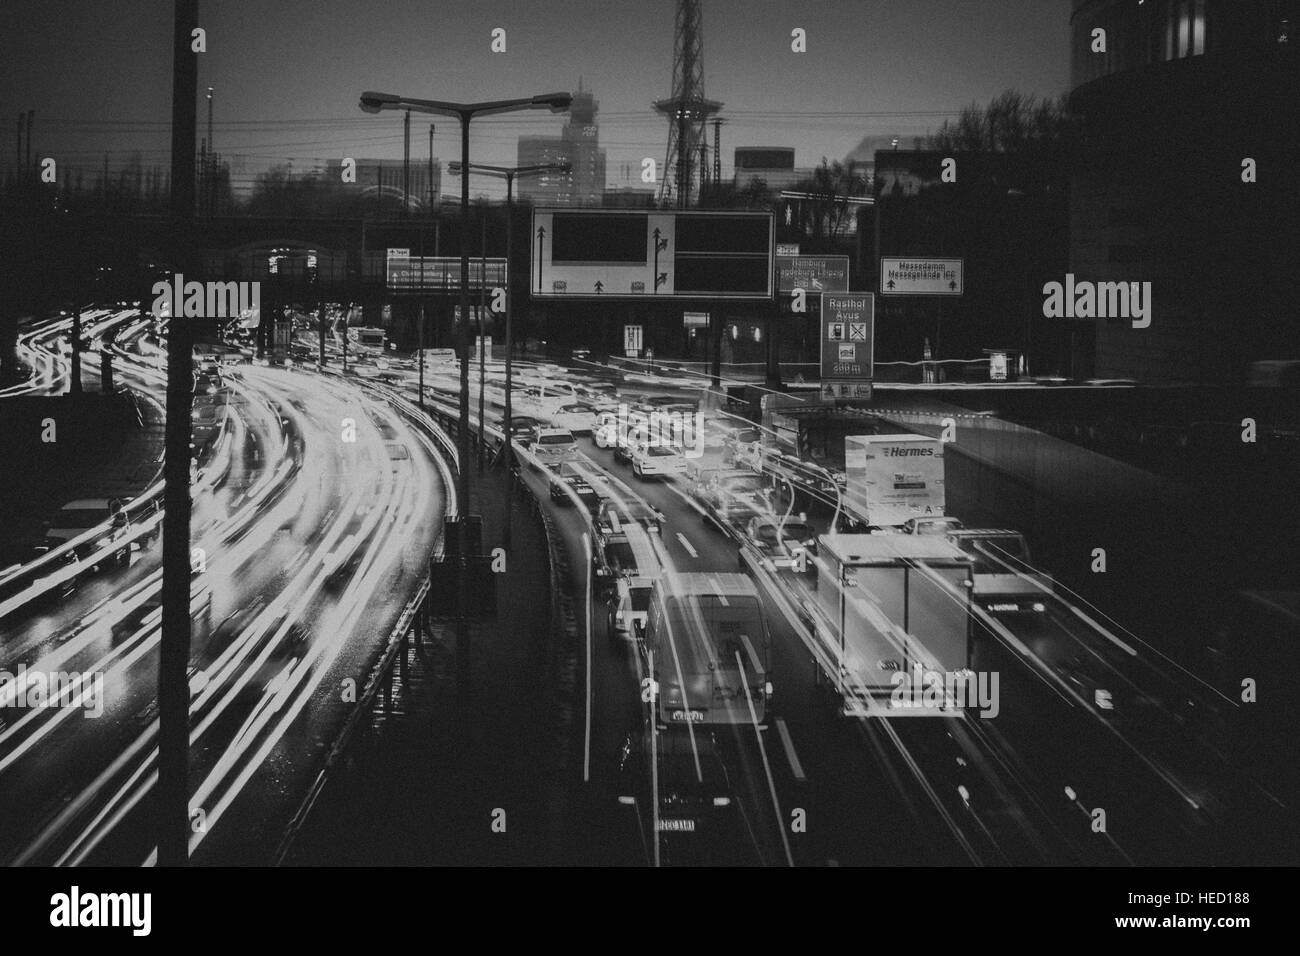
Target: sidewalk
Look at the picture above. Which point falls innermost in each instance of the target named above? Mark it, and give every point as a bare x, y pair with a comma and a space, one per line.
425, 776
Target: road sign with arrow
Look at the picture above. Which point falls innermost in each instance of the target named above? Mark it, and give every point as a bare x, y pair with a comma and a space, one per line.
916, 276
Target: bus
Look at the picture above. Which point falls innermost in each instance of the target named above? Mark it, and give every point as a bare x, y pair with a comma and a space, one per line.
706, 647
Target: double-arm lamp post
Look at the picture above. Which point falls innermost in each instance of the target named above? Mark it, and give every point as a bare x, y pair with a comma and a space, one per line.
508, 173
375, 102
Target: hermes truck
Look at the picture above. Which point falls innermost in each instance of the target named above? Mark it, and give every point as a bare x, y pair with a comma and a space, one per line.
891, 478
889, 610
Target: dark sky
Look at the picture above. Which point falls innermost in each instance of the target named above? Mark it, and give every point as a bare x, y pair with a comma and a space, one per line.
288, 73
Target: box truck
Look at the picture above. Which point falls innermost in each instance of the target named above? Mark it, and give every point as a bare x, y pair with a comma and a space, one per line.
890, 617
891, 478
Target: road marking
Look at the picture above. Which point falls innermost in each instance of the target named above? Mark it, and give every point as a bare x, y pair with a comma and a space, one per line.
795, 766
687, 545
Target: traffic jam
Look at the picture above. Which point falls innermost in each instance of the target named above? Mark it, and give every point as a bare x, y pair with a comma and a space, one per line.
742, 595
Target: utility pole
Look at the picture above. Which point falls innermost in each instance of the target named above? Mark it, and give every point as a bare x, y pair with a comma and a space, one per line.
406, 162
210, 166
18, 159
31, 123
74, 381
174, 646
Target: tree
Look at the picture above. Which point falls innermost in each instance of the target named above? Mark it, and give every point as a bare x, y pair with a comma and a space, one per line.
828, 211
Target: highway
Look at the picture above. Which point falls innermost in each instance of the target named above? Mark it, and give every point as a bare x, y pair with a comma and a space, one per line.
1021, 788
313, 516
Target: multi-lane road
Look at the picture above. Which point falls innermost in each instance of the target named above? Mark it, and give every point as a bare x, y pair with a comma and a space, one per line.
316, 506
314, 513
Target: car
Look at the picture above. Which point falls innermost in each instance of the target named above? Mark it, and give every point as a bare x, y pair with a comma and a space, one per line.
788, 473
629, 606
621, 432
654, 460
614, 513
78, 517
734, 438
521, 427
733, 498
780, 543
65, 568
568, 484
397, 453
937, 524
627, 555
1084, 678
579, 354
577, 417
207, 382
666, 402
1004, 579
697, 817
551, 446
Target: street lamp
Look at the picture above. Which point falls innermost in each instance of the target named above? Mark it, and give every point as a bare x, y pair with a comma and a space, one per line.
372, 102
508, 173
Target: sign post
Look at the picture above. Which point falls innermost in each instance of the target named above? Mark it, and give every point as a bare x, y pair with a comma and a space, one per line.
847, 344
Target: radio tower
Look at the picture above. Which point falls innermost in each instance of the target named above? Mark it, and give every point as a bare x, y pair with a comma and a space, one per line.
687, 110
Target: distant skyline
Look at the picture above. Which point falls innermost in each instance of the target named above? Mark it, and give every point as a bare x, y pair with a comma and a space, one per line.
287, 75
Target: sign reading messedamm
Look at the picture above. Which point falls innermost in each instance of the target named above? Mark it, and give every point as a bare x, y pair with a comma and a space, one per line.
921, 276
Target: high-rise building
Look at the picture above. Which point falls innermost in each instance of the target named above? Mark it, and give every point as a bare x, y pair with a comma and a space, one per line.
579, 145
1187, 180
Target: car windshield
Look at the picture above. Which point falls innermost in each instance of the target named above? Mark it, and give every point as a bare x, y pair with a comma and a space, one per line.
740, 486
659, 451
990, 552
561, 439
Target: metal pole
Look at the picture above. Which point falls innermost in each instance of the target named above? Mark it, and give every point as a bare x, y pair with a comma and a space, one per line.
406, 162
18, 159
174, 646
320, 327
510, 312
420, 356
74, 381
462, 434
31, 123
482, 333
432, 196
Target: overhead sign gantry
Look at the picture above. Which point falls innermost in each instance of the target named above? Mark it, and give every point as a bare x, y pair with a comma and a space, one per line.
625, 254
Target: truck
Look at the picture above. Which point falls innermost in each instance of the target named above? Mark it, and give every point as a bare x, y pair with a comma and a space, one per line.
706, 648
891, 478
1005, 581
888, 612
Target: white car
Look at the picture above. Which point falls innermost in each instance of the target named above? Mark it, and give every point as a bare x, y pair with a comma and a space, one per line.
551, 446
577, 417
655, 460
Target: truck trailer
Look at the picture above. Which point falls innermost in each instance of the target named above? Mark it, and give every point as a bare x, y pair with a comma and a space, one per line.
890, 618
